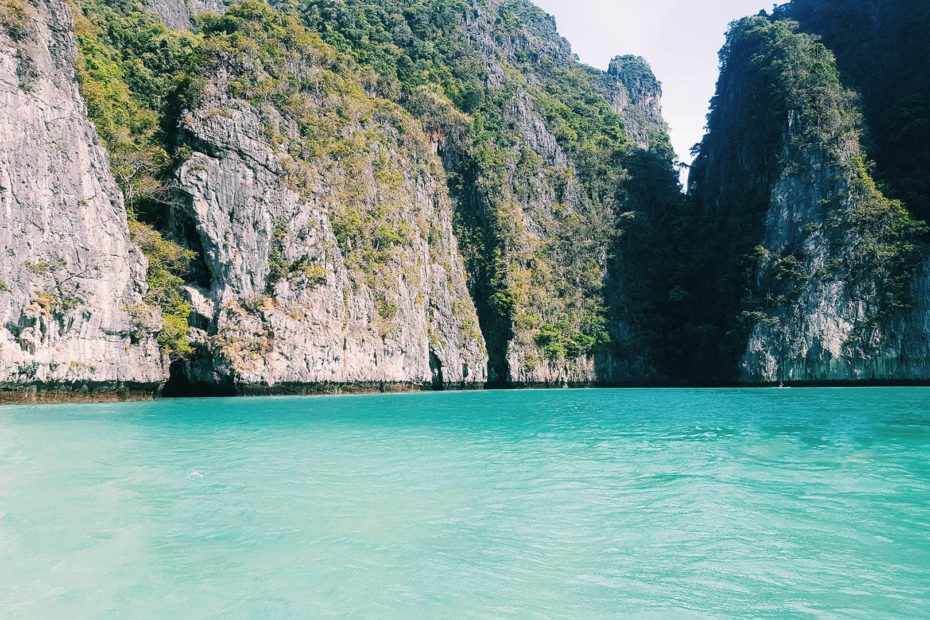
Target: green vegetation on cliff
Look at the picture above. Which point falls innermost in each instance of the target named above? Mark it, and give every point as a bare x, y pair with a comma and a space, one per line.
535, 225
167, 264
783, 131
535, 156
136, 76
882, 49
325, 127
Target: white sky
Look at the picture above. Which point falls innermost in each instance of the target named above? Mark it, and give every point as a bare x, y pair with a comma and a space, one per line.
679, 38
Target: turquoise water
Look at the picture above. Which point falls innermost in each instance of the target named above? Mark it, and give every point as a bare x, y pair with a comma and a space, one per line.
574, 504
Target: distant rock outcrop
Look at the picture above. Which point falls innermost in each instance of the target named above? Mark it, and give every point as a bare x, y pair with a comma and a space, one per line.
639, 100
177, 13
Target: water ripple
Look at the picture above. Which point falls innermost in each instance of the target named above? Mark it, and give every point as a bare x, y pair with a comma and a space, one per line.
587, 504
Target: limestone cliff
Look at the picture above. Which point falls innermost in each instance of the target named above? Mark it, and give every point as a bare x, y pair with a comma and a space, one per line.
329, 199
840, 319
819, 272
638, 99
570, 321
69, 276
882, 50
536, 146
400, 195
325, 226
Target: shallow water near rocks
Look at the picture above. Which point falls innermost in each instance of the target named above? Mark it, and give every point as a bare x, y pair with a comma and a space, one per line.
536, 504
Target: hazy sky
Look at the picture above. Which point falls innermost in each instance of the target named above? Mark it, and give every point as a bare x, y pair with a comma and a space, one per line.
679, 38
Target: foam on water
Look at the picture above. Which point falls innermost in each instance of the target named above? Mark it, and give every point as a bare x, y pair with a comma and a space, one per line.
582, 504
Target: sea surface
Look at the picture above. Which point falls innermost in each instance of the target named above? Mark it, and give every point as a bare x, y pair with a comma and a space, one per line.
538, 504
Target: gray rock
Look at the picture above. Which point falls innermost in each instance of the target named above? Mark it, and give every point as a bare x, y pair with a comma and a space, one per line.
835, 331
177, 13
328, 321
69, 275
636, 95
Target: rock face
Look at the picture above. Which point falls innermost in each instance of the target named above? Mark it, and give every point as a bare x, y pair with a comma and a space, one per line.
177, 13
834, 289
450, 200
353, 231
883, 51
545, 219
523, 203
638, 99
837, 329
68, 271
338, 270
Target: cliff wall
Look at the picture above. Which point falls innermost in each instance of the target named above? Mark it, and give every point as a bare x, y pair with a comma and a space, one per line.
325, 225
824, 279
72, 318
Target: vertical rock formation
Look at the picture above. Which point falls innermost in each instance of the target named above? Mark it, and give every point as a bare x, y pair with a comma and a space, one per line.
325, 226
818, 271
69, 275
444, 200
882, 50
536, 146
638, 99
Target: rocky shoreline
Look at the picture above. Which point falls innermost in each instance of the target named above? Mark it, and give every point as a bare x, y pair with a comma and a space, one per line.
90, 393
